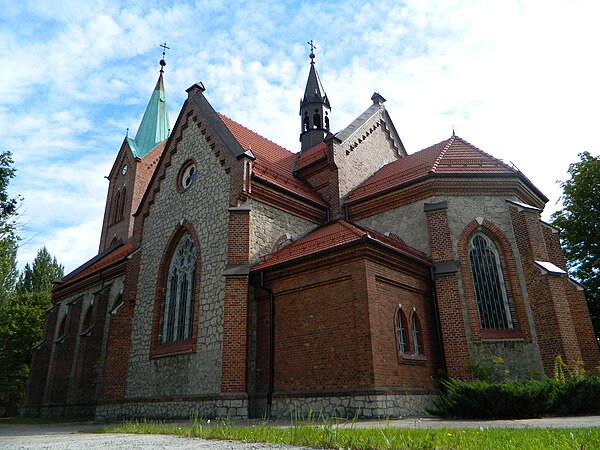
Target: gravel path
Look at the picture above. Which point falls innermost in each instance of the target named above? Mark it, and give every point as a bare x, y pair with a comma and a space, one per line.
68, 437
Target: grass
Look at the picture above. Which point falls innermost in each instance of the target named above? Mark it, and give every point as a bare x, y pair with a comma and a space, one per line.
42, 420
329, 435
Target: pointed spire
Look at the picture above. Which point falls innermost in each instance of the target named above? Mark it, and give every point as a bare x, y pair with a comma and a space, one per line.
314, 108
154, 127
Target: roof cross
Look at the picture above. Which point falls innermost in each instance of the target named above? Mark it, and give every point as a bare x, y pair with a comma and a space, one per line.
162, 62
164, 47
312, 51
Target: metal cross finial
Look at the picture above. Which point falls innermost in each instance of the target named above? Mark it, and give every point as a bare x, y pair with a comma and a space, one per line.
312, 51
164, 47
162, 62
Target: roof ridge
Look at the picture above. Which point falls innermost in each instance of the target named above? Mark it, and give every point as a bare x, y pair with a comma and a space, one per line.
393, 175
351, 227
484, 153
442, 153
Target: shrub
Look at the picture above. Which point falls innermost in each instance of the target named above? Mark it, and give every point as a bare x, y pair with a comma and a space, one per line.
518, 399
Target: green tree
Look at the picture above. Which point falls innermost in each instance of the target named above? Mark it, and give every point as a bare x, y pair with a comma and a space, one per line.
8, 205
21, 326
579, 223
8, 268
39, 276
8, 237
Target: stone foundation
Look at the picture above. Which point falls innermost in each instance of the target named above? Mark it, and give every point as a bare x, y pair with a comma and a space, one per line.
58, 411
184, 409
362, 406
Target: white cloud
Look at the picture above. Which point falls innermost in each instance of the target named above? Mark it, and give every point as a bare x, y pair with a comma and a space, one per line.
517, 79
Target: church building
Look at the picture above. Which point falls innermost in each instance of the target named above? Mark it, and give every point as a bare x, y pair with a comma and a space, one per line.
237, 278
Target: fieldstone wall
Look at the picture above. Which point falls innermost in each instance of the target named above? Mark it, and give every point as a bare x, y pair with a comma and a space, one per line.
504, 360
362, 406
267, 224
205, 206
409, 222
181, 409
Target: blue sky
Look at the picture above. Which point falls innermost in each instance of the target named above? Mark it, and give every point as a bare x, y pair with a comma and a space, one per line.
517, 79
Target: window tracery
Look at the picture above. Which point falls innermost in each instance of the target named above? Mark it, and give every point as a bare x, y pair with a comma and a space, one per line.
178, 313
490, 291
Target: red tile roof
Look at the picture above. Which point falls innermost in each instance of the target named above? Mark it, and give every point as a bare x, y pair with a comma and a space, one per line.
452, 156
96, 264
330, 236
273, 162
310, 156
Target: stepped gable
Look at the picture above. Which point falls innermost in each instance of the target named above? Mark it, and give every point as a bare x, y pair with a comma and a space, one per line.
273, 163
327, 237
454, 156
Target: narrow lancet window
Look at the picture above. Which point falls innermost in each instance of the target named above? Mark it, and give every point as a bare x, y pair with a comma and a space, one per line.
490, 290
401, 332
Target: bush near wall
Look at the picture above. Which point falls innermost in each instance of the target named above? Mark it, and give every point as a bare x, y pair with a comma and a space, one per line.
518, 399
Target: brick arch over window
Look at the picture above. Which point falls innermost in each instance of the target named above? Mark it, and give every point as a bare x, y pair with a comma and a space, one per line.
183, 239
510, 278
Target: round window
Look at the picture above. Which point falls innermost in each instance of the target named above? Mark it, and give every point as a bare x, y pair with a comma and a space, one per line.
187, 175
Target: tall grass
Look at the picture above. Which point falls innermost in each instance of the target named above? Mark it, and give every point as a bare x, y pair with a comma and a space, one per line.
329, 434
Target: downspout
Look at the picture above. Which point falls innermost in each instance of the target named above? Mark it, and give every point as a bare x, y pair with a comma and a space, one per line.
271, 343
437, 320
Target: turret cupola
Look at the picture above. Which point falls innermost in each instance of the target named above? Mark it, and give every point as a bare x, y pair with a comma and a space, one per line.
314, 109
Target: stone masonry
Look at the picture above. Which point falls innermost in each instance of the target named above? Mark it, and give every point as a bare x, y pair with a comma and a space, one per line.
205, 206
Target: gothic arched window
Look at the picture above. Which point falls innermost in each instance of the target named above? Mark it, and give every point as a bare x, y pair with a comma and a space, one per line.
415, 331
178, 313
122, 204
490, 290
401, 332
116, 205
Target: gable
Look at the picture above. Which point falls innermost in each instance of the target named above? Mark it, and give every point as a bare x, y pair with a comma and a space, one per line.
368, 144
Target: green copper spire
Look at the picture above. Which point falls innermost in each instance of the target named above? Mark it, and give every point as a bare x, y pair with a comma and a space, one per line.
154, 127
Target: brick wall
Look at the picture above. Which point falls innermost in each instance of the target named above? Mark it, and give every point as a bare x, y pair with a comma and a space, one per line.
322, 330
582, 323
87, 374
118, 339
335, 329
547, 297
450, 308
235, 319
387, 289
40, 363
235, 306
122, 227
64, 353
